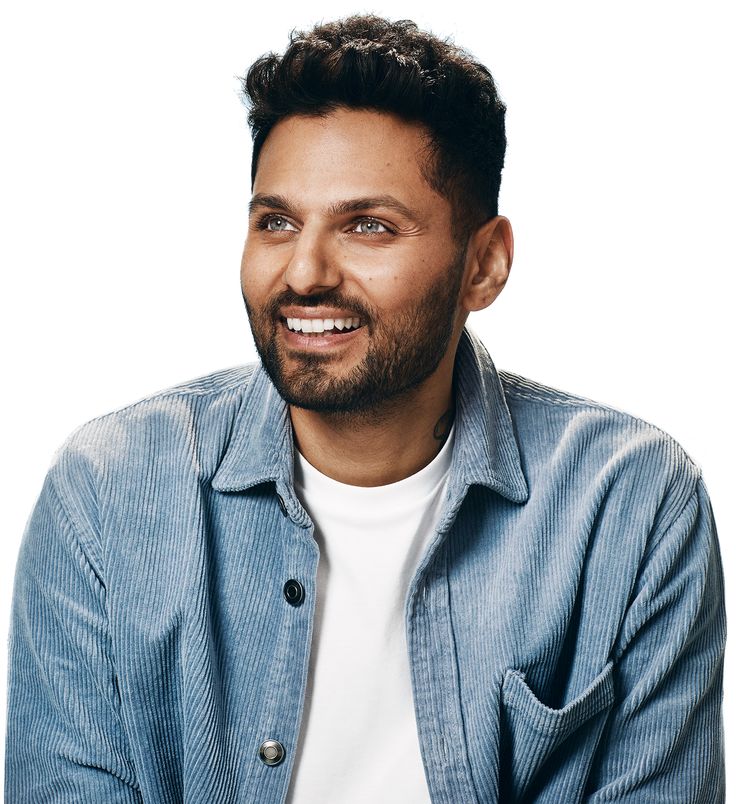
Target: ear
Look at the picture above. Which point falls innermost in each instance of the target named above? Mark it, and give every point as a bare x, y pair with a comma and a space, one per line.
488, 262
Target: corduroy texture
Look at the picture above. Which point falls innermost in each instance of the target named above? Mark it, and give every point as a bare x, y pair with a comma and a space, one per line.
565, 626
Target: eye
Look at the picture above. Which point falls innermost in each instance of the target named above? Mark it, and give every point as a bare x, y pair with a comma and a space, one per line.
276, 223
371, 226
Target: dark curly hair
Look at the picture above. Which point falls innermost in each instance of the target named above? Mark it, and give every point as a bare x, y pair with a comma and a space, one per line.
367, 62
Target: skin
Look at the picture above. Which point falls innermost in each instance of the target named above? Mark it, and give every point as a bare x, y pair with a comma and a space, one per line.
385, 258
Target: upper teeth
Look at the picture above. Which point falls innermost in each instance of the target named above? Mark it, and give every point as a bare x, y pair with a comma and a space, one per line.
321, 324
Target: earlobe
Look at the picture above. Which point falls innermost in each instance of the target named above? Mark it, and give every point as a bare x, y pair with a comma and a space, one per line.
491, 252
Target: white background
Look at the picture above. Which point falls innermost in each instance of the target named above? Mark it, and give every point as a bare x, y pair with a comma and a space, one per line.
125, 178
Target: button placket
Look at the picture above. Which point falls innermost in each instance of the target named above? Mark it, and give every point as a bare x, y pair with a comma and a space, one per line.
282, 712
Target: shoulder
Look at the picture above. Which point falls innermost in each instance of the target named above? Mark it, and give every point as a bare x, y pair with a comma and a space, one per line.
564, 432
179, 428
209, 398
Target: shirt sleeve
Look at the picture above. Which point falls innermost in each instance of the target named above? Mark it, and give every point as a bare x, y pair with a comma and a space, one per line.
664, 738
65, 737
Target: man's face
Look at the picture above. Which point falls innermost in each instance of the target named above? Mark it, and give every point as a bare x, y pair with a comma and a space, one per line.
345, 231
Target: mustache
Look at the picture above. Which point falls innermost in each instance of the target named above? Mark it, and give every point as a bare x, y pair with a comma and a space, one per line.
329, 298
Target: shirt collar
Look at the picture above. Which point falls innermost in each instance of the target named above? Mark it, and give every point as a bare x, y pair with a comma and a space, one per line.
261, 446
486, 451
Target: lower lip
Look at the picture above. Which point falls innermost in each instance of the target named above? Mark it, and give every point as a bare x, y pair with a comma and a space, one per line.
323, 343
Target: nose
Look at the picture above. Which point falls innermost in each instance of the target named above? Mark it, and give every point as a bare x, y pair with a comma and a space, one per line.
312, 267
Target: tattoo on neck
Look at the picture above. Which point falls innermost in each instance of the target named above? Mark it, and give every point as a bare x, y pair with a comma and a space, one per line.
443, 425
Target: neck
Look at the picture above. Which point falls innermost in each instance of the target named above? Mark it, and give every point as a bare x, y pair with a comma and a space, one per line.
382, 445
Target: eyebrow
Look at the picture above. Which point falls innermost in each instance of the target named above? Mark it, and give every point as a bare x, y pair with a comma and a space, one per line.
338, 207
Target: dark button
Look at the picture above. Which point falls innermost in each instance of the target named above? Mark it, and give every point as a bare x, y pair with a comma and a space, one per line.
282, 505
294, 592
271, 752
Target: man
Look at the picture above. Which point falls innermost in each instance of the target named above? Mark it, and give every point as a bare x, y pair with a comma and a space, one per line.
371, 567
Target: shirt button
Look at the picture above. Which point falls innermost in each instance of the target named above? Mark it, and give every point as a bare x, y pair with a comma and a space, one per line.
294, 592
271, 752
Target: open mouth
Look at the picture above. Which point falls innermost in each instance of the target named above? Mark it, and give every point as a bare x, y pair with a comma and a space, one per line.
322, 326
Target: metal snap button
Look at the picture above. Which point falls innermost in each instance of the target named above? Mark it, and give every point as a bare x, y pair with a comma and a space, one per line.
294, 592
271, 752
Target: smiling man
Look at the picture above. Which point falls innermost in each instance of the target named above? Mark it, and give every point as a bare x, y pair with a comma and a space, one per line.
369, 567
357, 290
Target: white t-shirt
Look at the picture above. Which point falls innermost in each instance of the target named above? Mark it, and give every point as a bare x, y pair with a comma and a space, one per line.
359, 742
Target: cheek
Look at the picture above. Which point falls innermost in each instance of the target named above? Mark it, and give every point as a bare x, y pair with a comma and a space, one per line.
245, 260
261, 268
253, 279
243, 276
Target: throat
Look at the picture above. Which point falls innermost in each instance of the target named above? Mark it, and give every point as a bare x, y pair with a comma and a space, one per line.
366, 450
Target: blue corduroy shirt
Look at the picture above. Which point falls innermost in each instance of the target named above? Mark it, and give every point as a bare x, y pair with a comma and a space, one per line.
565, 626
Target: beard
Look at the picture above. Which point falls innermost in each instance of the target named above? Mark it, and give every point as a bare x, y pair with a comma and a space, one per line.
403, 350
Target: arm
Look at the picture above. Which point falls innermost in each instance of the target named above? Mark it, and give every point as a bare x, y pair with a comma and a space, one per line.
664, 738
65, 737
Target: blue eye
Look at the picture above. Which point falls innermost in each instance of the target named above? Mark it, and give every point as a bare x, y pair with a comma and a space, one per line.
370, 226
275, 223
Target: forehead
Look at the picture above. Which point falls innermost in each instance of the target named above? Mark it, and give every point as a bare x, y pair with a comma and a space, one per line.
346, 153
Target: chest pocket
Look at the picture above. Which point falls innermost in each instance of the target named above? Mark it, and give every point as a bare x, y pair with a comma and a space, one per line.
531, 731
